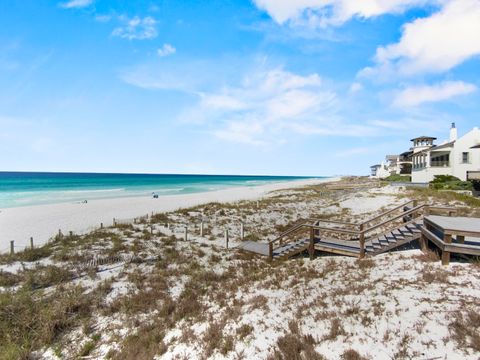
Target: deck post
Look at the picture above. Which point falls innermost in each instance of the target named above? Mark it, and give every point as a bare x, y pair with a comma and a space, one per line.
270, 251
426, 211
423, 242
362, 242
447, 238
311, 245
461, 239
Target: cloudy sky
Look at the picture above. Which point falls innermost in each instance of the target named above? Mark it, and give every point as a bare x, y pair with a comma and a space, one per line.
281, 87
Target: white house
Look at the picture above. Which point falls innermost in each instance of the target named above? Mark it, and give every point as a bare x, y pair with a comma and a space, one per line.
394, 164
379, 171
455, 157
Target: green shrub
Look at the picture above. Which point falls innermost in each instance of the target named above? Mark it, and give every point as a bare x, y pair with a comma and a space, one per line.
448, 182
398, 178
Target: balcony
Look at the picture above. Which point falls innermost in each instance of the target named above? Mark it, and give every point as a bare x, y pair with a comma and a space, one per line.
440, 163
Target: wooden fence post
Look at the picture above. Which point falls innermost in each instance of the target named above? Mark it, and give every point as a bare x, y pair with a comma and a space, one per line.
270, 251
362, 242
101, 225
242, 231
114, 222
201, 229
186, 233
226, 238
12, 247
31, 242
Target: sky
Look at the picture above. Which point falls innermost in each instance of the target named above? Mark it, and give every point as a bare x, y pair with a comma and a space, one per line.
272, 87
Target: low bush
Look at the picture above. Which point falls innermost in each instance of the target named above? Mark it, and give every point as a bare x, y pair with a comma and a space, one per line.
398, 178
28, 323
448, 182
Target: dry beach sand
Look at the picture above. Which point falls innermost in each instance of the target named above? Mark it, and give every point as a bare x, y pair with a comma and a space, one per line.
165, 298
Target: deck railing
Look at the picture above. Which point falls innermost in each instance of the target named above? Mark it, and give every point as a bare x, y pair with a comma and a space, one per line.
408, 213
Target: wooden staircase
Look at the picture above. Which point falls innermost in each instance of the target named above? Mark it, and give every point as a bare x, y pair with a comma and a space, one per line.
387, 231
393, 239
290, 249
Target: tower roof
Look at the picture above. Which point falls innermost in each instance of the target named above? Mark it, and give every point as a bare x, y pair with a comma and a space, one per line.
424, 138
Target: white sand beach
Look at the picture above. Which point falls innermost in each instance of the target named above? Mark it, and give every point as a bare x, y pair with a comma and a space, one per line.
43, 221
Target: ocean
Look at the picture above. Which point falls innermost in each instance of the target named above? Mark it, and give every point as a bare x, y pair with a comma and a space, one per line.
34, 188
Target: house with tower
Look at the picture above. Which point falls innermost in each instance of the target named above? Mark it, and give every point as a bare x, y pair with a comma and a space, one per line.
459, 157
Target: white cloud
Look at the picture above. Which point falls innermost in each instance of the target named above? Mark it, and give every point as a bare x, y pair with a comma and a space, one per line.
136, 28
417, 95
270, 107
103, 18
433, 44
166, 50
356, 87
322, 13
76, 4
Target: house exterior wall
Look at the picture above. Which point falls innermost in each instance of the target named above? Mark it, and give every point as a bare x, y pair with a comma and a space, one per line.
459, 169
427, 174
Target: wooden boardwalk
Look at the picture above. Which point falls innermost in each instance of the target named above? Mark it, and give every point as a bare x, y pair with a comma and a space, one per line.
398, 227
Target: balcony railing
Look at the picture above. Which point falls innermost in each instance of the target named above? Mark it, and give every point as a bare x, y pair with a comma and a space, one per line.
440, 163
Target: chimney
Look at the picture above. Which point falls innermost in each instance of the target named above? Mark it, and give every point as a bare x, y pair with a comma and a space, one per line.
453, 133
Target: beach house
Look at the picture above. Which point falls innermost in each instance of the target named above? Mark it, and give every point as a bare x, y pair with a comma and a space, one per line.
459, 157
379, 171
393, 164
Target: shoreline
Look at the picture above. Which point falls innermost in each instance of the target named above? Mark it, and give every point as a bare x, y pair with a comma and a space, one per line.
42, 222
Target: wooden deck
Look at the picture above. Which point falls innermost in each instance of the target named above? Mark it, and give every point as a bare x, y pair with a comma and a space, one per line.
408, 223
460, 235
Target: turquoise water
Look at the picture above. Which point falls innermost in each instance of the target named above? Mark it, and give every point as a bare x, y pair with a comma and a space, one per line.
27, 188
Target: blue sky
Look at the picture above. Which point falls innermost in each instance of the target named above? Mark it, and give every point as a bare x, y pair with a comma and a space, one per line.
305, 87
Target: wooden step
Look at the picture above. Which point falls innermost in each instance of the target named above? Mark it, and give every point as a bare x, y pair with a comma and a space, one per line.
391, 239
397, 234
406, 233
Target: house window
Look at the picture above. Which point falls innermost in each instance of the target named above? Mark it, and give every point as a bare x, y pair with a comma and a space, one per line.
465, 158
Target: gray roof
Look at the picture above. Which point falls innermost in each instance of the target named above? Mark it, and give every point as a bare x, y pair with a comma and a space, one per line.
436, 147
424, 138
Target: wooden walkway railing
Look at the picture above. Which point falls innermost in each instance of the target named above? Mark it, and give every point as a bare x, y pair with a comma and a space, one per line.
409, 212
